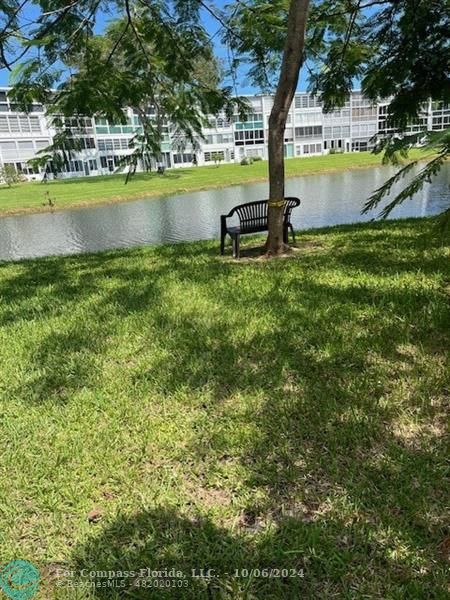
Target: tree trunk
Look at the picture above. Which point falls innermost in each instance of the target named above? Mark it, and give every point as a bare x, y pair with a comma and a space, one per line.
287, 85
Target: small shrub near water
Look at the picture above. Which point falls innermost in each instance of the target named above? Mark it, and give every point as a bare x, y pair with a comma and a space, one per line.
248, 160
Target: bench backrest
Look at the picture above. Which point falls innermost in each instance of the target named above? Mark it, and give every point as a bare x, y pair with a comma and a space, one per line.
253, 215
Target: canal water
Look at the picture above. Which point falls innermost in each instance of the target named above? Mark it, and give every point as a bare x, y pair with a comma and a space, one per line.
327, 199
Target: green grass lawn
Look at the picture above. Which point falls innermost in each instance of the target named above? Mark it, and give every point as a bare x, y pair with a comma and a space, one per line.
90, 190
284, 414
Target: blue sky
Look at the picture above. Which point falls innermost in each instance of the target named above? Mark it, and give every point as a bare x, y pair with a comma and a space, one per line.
242, 83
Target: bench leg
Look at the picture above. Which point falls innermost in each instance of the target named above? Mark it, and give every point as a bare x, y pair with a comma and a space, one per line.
293, 232
236, 240
222, 244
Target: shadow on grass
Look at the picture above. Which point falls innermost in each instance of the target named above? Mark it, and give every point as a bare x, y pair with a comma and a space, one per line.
164, 539
336, 374
191, 558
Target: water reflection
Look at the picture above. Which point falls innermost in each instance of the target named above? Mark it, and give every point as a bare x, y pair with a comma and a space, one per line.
328, 199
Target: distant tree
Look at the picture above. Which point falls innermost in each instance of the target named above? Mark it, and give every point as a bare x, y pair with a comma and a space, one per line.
54, 157
217, 158
9, 175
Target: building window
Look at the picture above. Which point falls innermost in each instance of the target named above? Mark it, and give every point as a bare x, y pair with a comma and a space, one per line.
253, 121
14, 125
181, 158
223, 122
24, 125
249, 136
40, 144
116, 144
310, 149
86, 143
35, 125
220, 138
359, 146
366, 113
8, 146
313, 131
306, 101
75, 166
336, 132
211, 156
25, 145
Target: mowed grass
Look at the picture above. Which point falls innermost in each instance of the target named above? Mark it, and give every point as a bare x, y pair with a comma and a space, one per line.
30, 197
168, 408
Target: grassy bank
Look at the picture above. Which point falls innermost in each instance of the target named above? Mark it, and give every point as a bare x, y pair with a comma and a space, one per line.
29, 197
164, 407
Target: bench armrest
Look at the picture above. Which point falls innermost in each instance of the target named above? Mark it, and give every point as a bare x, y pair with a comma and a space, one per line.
230, 214
223, 221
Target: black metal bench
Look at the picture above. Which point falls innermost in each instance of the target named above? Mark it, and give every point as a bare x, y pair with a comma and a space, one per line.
253, 219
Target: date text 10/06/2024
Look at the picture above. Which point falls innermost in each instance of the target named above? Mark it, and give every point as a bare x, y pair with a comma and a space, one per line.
264, 572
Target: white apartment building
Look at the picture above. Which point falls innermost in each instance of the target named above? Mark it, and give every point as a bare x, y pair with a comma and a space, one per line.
309, 131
